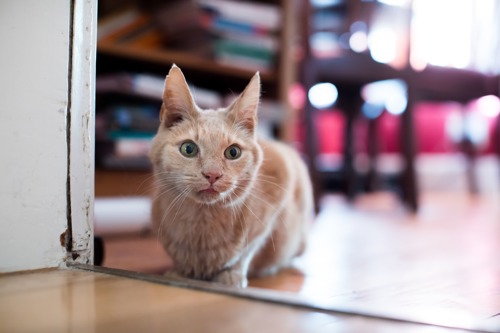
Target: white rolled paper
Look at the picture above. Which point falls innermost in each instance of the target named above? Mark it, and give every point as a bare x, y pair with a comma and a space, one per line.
124, 214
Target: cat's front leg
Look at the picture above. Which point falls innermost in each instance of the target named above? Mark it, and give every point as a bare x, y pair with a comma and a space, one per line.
232, 278
172, 274
236, 274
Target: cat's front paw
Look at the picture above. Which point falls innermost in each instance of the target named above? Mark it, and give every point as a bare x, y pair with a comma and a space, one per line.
231, 279
174, 276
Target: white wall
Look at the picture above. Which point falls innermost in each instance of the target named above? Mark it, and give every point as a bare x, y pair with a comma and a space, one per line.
33, 152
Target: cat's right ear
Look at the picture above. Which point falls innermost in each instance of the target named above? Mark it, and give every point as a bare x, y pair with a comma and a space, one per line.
178, 102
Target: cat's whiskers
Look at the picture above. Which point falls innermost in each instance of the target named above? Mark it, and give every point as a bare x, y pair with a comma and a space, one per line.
187, 191
226, 194
240, 208
259, 178
232, 213
183, 192
182, 195
262, 223
240, 190
167, 179
164, 189
249, 191
158, 176
272, 206
175, 185
277, 210
146, 180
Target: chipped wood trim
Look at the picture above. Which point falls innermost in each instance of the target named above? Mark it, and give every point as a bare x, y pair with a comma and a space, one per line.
80, 128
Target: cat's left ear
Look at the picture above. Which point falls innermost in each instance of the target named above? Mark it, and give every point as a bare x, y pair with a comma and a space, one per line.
244, 108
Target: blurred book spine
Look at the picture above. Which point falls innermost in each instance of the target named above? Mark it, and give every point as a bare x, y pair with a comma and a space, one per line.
125, 133
255, 14
244, 32
151, 86
228, 52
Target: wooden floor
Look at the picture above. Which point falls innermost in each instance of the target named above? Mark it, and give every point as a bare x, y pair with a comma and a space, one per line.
79, 301
441, 266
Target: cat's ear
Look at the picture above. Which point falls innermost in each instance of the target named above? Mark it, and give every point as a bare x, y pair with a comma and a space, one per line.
178, 102
244, 108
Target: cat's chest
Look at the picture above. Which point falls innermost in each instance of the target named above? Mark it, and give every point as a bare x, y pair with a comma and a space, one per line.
205, 231
204, 246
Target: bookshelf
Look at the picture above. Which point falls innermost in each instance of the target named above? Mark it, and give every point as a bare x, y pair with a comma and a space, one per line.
132, 42
184, 60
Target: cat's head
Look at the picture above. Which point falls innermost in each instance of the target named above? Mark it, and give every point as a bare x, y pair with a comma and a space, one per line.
209, 156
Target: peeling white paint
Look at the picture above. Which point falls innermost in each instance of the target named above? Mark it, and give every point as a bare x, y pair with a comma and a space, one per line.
82, 129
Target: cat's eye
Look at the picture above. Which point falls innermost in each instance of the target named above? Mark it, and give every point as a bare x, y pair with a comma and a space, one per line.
232, 152
189, 149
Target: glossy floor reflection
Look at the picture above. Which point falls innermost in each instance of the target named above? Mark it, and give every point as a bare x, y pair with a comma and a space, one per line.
440, 266
79, 301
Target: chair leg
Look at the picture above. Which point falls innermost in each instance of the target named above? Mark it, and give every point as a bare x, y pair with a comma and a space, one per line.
372, 177
409, 184
470, 152
349, 169
311, 142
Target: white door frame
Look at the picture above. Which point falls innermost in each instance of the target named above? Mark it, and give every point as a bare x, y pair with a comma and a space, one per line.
81, 126
47, 117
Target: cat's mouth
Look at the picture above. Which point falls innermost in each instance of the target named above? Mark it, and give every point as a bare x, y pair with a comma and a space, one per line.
213, 194
208, 195
209, 191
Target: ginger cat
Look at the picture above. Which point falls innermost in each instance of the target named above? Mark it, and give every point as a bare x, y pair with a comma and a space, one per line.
227, 204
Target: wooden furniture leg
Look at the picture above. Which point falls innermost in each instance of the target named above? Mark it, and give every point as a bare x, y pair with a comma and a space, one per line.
408, 183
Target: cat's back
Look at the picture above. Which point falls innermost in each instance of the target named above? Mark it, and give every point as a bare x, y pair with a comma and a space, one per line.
283, 170
284, 184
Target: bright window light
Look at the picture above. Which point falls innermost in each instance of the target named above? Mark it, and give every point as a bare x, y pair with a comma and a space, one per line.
325, 3
455, 126
489, 106
391, 94
358, 41
323, 95
396, 103
476, 128
442, 39
400, 3
324, 44
382, 44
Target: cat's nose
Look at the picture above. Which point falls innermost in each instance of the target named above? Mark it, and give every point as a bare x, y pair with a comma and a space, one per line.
212, 176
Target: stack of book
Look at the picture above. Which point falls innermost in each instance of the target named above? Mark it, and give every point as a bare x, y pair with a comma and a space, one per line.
124, 132
245, 32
